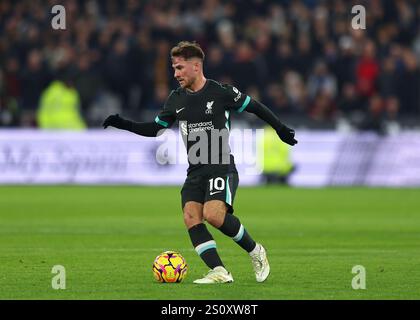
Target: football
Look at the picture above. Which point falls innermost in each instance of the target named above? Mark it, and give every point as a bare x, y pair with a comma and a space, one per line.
170, 267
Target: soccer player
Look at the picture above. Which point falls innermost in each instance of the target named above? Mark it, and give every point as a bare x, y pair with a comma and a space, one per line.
202, 106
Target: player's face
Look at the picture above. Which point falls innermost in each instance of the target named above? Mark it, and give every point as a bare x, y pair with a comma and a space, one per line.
185, 71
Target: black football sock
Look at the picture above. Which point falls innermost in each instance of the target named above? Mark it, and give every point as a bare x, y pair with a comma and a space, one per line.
233, 228
205, 245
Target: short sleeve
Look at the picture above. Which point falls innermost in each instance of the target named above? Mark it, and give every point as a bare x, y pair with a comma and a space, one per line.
166, 116
234, 99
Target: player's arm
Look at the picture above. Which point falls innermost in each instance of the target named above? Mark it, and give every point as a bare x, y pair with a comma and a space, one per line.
240, 102
148, 129
285, 133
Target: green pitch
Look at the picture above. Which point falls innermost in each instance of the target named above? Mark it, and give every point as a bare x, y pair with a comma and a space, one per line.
107, 238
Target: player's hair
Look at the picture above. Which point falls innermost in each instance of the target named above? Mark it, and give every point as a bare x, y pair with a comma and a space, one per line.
187, 50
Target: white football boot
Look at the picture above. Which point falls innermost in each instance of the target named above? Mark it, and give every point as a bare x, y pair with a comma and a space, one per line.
216, 275
260, 263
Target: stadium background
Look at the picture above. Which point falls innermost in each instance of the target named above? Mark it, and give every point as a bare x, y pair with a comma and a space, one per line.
353, 97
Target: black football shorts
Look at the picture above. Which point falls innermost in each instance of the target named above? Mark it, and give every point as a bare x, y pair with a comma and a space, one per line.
203, 188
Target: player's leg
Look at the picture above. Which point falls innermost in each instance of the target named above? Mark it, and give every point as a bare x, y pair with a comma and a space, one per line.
201, 238
204, 244
218, 211
193, 193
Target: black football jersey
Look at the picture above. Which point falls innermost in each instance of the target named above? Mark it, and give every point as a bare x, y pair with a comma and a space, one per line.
204, 123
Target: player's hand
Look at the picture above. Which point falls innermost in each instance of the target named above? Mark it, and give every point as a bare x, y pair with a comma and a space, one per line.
287, 135
114, 121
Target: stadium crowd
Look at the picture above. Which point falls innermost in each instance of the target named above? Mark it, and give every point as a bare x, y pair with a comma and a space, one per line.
302, 58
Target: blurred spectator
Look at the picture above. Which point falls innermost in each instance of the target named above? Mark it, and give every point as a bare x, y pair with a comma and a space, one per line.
374, 120
11, 77
215, 66
35, 77
87, 81
304, 57
59, 106
409, 85
142, 57
162, 65
117, 70
104, 103
345, 65
322, 107
276, 98
367, 71
388, 78
392, 108
321, 80
349, 103
161, 94
9, 116
277, 164
282, 61
244, 65
296, 90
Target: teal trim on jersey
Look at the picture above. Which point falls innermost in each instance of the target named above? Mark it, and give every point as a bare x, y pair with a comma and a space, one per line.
161, 122
228, 193
227, 115
246, 102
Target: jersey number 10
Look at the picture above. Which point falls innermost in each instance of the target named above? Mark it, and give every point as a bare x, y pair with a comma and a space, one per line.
218, 184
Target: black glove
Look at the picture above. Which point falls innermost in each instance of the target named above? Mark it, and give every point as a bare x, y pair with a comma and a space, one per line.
287, 135
115, 121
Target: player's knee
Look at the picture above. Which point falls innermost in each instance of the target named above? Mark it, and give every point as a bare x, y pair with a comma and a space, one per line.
214, 214
191, 218
193, 214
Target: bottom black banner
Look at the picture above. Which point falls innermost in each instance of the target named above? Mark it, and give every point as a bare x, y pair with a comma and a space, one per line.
211, 309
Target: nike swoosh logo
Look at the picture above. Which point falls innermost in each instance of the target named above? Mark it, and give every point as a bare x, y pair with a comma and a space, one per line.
212, 193
179, 110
